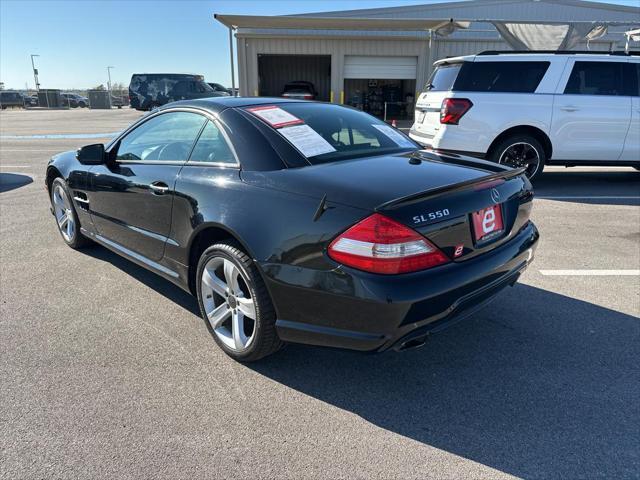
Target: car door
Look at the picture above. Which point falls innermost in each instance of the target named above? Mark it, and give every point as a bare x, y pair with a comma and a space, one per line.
631, 151
132, 194
591, 111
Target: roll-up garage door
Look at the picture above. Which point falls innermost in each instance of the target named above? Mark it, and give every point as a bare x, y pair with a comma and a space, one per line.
356, 66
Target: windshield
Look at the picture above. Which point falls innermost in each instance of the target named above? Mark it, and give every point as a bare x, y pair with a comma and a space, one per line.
204, 87
443, 78
328, 133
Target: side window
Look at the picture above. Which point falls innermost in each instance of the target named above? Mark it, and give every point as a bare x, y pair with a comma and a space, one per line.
506, 77
212, 147
596, 78
631, 79
181, 88
166, 137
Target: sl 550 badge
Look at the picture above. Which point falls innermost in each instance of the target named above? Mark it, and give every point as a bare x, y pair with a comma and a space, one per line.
429, 217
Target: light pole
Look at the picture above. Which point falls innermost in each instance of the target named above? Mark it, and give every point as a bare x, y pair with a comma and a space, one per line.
109, 84
35, 73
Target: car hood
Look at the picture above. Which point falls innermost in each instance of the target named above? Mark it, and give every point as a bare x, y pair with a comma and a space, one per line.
372, 181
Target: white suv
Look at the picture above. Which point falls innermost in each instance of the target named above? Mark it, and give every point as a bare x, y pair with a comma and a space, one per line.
531, 109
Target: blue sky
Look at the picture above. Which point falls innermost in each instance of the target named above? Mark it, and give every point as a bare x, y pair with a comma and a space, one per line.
133, 36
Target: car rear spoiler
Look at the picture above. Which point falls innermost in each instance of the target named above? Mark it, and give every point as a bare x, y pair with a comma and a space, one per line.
504, 173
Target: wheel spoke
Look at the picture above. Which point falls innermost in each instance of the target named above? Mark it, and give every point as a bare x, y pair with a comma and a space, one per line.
237, 330
213, 282
247, 307
57, 200
70, 228
64, 219
65, 200
218, 315
231, 275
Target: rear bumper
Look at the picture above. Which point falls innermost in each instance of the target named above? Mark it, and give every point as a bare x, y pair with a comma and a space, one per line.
455, 138
355, 310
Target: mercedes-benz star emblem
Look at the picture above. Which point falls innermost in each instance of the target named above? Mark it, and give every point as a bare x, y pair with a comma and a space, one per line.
495, 195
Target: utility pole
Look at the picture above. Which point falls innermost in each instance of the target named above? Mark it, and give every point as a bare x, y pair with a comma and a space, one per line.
109, 84
35, 73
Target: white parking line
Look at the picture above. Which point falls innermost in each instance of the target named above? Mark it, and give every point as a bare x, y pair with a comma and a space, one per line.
589, 197
15, 166
591, 273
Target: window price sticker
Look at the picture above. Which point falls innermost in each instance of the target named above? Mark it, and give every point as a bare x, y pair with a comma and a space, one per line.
275, 116
307, 140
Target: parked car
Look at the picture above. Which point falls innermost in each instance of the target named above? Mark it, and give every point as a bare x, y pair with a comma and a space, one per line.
30, 100
220, 88
296, 221
117, 101
534, 109
10, 98
300, 90
152, 90
74, 100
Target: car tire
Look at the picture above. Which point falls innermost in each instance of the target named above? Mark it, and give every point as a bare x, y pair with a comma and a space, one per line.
62, 206
227, 303
520, 150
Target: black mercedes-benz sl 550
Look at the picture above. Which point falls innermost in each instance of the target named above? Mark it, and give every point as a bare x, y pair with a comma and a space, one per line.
296, 221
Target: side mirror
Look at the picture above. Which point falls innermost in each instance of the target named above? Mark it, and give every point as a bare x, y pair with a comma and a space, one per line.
91, 154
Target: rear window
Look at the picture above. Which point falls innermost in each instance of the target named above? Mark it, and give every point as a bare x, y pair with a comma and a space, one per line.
506, 77
443, 78
328, 133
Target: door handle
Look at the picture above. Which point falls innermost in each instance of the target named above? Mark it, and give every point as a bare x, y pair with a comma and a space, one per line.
159, 188
569, 108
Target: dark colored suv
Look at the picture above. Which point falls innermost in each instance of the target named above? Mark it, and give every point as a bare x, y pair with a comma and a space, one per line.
300, 90
11, 99
151, 90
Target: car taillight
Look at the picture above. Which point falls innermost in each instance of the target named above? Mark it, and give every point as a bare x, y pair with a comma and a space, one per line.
308, 97
379, 244
453, 109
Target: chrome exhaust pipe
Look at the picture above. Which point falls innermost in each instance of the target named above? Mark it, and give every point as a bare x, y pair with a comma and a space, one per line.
412, 344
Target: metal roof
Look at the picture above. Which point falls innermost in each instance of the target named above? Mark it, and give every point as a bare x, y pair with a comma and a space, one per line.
539, 10
331, 23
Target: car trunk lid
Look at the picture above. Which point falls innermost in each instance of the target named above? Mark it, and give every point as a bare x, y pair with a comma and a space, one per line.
433, 194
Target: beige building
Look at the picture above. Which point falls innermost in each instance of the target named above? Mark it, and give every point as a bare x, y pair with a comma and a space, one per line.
352, 55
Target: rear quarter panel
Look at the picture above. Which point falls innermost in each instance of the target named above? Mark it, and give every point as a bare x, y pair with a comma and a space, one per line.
273, 226
491, 115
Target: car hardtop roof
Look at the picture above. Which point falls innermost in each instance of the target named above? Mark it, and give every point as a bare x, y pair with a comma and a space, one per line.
217, 104
508, 55
167, 75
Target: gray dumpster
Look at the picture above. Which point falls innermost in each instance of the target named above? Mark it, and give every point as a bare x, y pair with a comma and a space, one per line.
99, 99
50, 98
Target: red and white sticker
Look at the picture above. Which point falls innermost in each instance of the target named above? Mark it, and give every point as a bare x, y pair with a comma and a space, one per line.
275, 116
487, 222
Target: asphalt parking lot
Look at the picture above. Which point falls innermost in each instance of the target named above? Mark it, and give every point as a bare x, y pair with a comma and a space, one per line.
108, 371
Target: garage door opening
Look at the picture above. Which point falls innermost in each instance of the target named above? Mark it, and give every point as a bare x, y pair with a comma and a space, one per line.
275, 71
376, 83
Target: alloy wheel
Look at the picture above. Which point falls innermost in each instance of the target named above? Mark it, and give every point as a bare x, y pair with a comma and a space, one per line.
228, 303
64, 213
521, 154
